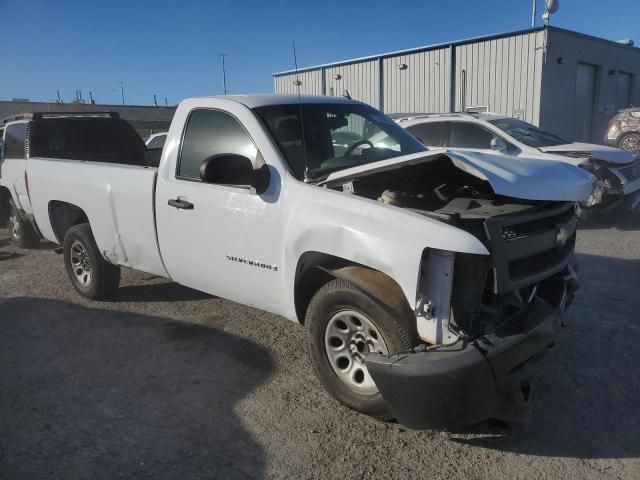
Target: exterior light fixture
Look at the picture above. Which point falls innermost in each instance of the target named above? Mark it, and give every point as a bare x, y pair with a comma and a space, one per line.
297, 83
402, 66
337, 76
562, 60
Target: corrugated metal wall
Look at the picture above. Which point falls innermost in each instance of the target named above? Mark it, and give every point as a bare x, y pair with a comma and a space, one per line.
311, 83
360, 79
529, 74
568, 49
502, 74
423, 86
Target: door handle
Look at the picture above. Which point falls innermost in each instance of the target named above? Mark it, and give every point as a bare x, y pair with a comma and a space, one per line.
181, 204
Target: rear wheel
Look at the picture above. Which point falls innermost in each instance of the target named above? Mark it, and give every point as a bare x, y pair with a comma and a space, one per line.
630, 142
21, 230
343, 325
90, 274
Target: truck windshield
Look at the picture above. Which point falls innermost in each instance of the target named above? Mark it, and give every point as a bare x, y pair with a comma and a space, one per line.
526, 133
336, 136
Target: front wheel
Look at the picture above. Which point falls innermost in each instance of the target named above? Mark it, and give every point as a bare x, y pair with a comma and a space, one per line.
343, 325
90, 274
21, 231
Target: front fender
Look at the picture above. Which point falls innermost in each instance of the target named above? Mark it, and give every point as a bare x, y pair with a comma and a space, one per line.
363, 231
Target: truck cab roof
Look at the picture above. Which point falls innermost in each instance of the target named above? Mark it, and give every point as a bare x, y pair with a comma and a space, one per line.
265, 99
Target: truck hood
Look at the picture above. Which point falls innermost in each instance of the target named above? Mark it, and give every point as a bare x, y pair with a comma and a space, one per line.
583, 151
527, 179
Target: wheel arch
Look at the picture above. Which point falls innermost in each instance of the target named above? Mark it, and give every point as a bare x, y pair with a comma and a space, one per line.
315, 269
63, 216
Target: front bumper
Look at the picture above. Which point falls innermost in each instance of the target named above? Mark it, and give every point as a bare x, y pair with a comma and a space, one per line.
466, 383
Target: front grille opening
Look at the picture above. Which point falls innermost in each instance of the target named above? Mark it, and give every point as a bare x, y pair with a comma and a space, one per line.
541, 262
514, 232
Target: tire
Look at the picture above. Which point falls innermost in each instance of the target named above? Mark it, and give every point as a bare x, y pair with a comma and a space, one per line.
21, 231
338, 301
90, 274
630, 142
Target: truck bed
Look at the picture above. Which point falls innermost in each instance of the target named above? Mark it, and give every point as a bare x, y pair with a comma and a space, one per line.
125, 233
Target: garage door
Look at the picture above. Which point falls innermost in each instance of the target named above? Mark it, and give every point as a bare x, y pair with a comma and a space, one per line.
584, 102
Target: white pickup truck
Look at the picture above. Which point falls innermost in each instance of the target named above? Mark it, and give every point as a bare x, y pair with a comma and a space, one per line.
429, 285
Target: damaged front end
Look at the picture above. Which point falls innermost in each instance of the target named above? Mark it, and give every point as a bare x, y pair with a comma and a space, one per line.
488, 321
614, 181
485, 320
477, 379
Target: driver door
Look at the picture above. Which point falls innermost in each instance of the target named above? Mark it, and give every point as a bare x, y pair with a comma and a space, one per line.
225, 240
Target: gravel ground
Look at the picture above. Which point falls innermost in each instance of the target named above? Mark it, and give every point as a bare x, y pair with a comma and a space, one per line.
166, 382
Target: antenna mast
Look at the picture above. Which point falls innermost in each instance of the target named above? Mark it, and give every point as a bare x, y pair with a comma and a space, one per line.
533, 13
224, 72
121, 89
298, 84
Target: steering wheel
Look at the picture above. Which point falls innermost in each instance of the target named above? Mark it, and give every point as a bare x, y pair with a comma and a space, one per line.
356, 145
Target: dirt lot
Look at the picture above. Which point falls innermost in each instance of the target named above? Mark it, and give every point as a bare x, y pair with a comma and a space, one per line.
166, 382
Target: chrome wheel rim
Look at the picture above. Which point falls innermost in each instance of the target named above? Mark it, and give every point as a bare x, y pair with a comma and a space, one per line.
630, 143
348, 338
14, 225
80, 264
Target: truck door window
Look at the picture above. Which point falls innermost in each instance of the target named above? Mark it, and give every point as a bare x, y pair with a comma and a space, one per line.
14, 141
468, 135
431, 134
212, 132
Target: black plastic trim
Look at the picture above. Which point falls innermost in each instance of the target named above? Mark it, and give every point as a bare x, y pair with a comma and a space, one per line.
468, 382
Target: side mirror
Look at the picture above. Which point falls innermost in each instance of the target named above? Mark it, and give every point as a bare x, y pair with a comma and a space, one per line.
498, 144
233, 169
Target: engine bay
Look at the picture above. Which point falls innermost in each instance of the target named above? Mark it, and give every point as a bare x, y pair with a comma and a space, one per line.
521, 236
437, 188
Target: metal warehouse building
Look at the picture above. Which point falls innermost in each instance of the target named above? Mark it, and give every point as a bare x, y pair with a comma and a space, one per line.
566, 82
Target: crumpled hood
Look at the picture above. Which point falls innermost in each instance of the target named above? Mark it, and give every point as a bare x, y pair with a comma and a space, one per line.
527, 179
599, 152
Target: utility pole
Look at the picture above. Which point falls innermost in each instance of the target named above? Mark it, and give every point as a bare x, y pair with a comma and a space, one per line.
224, 72
121, 89
166, 104
155, 100
533, 14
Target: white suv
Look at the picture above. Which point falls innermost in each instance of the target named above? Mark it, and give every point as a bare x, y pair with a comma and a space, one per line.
618, 171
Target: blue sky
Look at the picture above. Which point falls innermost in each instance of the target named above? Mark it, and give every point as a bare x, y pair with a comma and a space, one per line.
170, 48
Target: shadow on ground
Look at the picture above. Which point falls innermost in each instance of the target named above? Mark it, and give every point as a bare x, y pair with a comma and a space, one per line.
159, 292
587, 397
89, 393
615, 220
